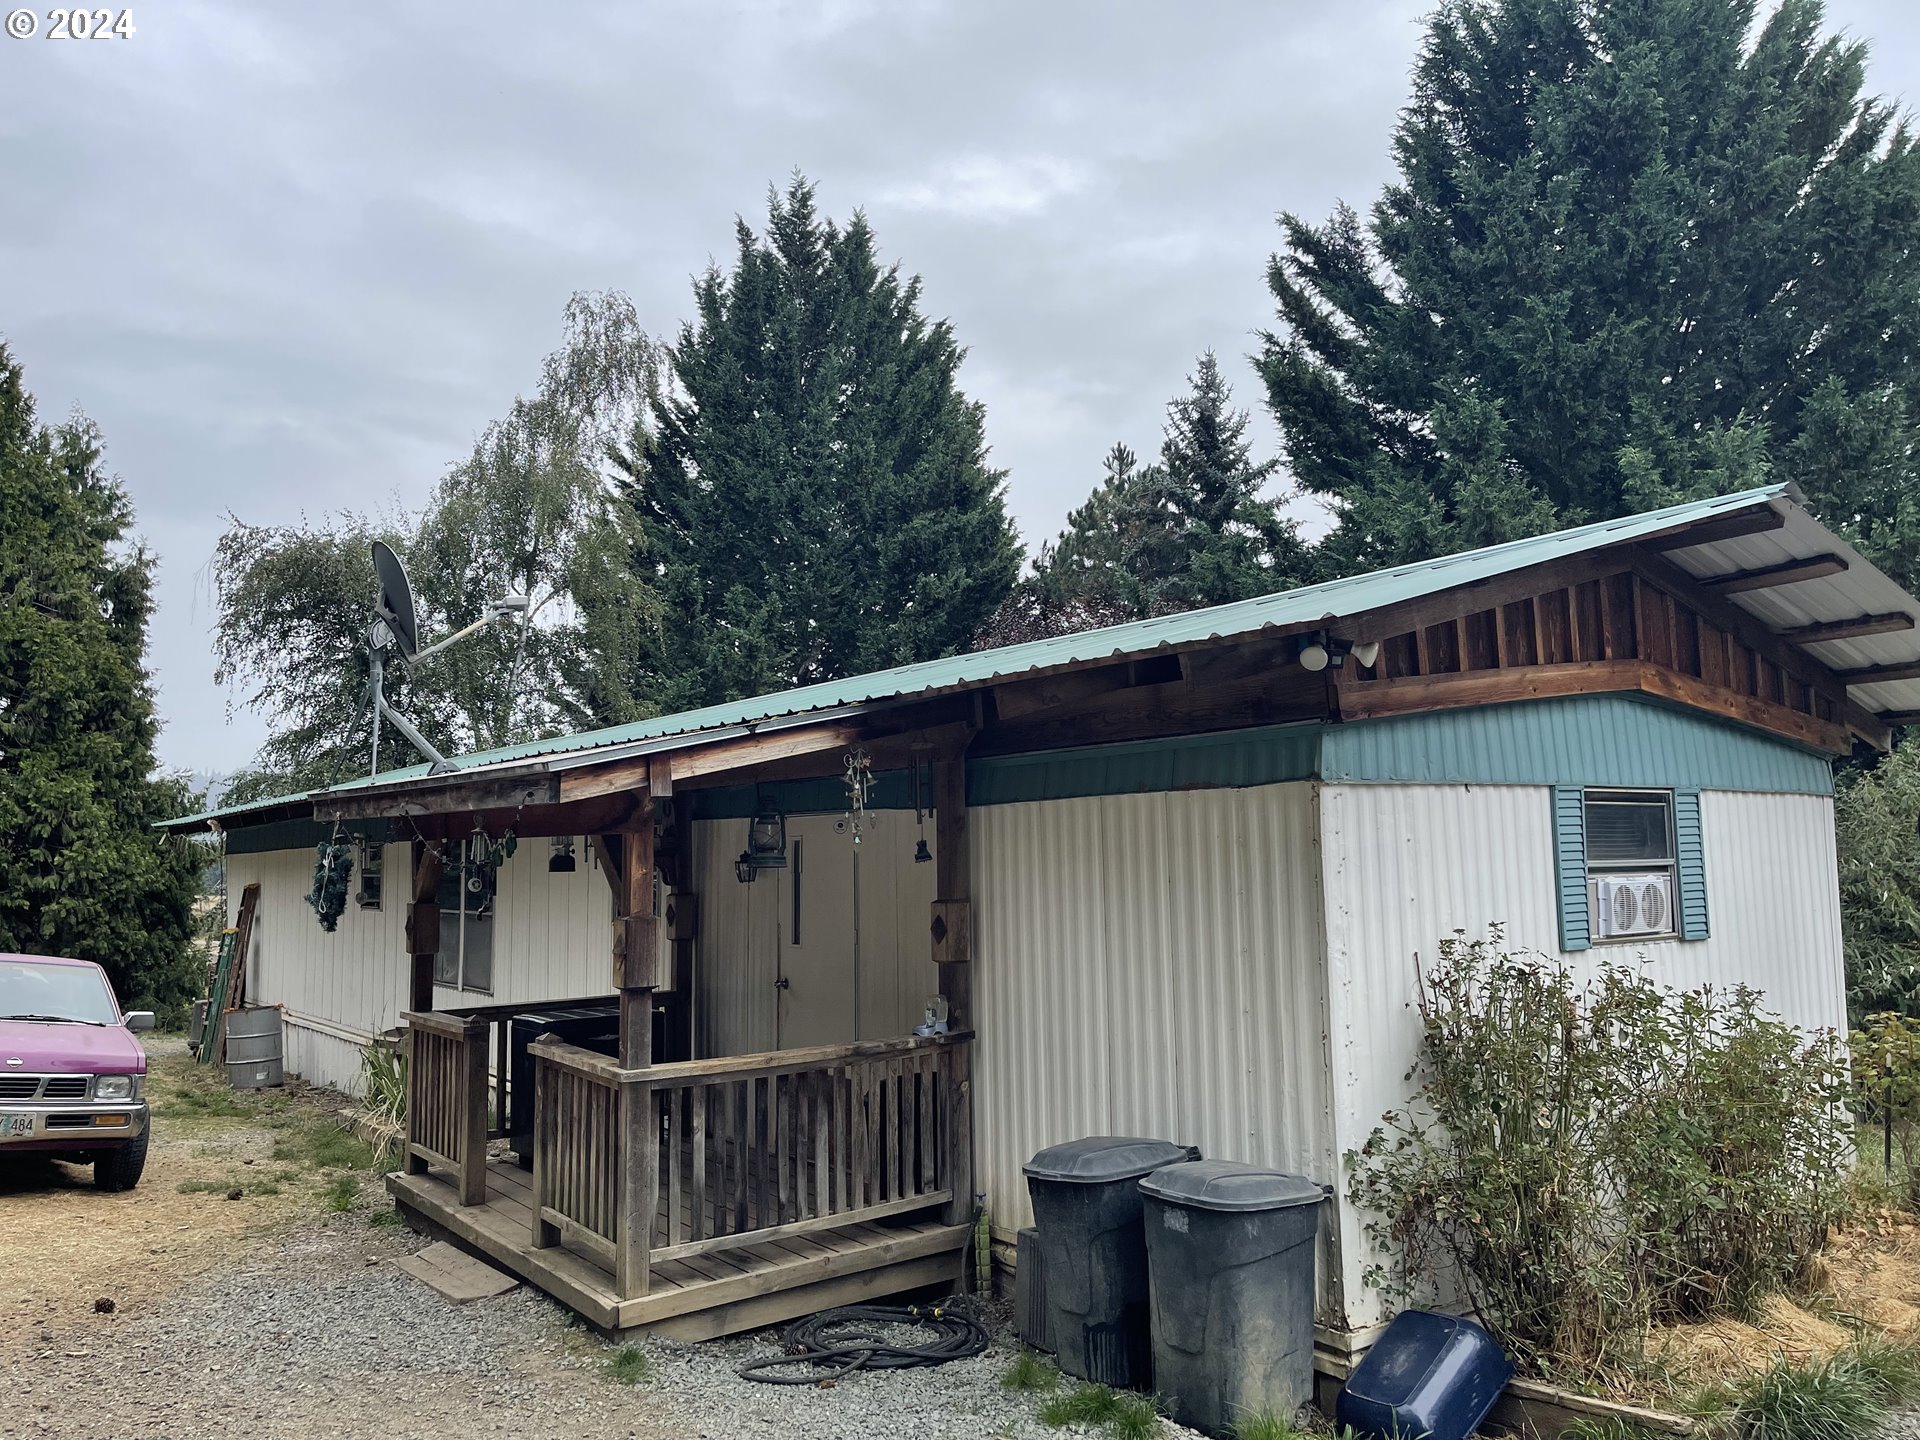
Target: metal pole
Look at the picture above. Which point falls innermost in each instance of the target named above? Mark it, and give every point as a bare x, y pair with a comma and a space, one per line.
376, 666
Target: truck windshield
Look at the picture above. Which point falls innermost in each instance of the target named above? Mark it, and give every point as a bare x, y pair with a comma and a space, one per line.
71, 993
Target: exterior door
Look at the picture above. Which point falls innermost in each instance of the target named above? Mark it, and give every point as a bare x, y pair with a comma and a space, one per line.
817, 976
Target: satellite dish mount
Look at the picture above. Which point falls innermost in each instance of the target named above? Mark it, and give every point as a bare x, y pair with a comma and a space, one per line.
395, 630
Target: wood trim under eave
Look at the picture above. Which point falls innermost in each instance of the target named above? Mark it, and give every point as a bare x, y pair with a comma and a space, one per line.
1370, 699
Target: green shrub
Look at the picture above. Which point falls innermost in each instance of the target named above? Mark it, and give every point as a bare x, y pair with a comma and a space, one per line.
1580, 1161
383, 1078
1886, 1098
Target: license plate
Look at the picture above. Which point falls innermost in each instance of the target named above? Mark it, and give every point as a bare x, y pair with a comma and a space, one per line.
16, 1127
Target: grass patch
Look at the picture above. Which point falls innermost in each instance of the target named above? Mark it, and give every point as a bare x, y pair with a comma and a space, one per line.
324, 1147
1123, 1416
196, 1103
1891, 1367
1847, 1396
343, 1193
1265, 1426
252, 1185
1609, 1427
1030, 1372
628, 1365
388, 1219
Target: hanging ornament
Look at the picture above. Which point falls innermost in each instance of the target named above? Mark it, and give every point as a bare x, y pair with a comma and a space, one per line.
859, 782
921, 855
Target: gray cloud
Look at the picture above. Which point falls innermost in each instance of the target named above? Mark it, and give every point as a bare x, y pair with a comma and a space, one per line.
294, 258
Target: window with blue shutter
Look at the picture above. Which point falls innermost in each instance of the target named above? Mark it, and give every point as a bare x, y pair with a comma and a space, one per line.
1570, 865
1690, 865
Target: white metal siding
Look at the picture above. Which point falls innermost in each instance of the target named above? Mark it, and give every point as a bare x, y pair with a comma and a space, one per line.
742, 930
1406, 865
1150, 965
552, 940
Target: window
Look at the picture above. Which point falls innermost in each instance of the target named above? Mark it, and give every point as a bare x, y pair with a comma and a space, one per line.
372, 869
465, 958
1629, 865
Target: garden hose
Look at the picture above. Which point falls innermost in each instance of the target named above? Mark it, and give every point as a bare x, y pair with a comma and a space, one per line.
838, 1342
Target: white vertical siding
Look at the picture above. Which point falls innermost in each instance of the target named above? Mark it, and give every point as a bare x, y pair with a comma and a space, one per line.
552, 940
1406, 865
743, 935
1152, 965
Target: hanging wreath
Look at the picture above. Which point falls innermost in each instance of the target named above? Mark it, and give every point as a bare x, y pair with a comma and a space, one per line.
332, 865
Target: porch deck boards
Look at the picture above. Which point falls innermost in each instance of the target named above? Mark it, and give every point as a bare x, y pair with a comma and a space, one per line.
703, 1295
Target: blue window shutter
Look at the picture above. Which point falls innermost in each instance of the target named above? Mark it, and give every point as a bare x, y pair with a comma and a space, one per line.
1691, 864
1570, 865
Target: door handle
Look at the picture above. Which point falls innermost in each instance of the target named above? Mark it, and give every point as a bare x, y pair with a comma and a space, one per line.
781, 983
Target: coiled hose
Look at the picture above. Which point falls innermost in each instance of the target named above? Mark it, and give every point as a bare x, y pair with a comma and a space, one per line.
839, 1342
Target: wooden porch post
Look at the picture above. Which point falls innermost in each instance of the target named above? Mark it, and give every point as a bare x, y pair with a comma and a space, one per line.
953, 952
423, 943
636, 970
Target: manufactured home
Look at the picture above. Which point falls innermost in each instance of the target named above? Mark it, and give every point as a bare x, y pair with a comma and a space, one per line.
666, 987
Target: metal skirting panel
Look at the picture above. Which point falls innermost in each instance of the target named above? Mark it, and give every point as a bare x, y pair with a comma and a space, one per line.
1578, 740
1407, 865
1151, 965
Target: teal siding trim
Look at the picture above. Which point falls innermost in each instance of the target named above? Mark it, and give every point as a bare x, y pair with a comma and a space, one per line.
1570, 866
892, 790
1234, 760
1586, 740
1691, 863
299, 835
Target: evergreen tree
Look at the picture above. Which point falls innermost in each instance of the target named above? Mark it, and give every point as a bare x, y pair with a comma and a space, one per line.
1195, 529
1631, 257
82, 873
813, 485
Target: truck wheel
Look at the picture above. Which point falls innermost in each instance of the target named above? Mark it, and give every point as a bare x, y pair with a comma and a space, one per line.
120, 1169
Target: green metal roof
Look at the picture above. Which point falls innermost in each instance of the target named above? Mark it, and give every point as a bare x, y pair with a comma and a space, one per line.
1332, 600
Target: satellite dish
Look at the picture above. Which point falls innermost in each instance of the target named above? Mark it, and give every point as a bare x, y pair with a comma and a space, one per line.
395, 605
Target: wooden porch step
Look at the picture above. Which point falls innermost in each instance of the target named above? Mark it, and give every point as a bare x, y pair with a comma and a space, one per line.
702, 1296
454, 1274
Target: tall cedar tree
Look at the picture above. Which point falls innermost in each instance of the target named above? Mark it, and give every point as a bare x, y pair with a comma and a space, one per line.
814, 486
1631, 258
1195, 529
82, 873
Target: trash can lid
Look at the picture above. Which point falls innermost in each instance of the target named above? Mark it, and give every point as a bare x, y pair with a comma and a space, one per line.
1106, 1157
1229, 1185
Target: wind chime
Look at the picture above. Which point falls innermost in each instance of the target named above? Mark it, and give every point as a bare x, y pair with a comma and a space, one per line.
859, 783
921, 854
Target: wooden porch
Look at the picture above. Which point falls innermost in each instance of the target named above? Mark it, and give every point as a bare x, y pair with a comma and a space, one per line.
777, 1184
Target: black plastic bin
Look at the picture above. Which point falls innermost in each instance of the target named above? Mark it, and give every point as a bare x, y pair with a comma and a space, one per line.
1087, 1208
1031, 1321
594, 1026
1230, 1255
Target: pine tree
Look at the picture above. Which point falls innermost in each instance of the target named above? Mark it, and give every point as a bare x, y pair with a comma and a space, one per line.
1630, 258
82, 873
813, 485
1197, 528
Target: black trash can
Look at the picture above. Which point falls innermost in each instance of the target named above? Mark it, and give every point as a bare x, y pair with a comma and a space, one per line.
1230, 1255
1087, 1208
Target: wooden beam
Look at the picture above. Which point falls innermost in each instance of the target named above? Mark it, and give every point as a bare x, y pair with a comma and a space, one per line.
952, 945
1049, 692
748, 750
505, 792
1462, 600
634, 773
1759, 520
1880, 674
1364, 699
1791, 572
1900, 717
1849, 629
423, 922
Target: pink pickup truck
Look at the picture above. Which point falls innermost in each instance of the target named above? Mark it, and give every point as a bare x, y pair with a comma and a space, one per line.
72, 1077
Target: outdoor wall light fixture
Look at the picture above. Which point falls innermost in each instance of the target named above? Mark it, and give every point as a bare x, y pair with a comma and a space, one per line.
1323, 650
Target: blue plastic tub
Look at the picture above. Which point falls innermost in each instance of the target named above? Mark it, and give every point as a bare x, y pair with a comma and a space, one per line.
1429, 1376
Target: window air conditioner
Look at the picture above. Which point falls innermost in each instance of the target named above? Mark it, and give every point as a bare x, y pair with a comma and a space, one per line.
1636, 905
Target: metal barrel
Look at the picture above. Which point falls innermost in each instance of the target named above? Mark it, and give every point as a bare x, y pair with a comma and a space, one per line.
254, 1048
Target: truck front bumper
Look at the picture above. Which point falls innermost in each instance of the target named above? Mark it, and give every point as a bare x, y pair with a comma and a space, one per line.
72, 1126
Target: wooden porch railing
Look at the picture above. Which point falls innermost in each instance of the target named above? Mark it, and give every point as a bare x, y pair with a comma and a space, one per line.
447, 1099
745, 1149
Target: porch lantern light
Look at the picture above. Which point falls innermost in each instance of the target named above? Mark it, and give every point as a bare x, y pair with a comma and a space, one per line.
560, 861
743, 869
767, 841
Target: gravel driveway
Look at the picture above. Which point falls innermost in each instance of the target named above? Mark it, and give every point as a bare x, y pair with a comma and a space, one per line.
272, 1317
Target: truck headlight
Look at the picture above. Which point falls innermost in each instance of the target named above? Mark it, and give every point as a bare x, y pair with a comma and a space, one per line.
113, 1087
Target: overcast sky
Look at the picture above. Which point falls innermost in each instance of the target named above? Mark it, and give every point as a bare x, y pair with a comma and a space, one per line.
294, 257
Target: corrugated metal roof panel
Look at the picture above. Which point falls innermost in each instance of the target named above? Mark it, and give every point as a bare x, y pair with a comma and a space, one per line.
1331, 601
